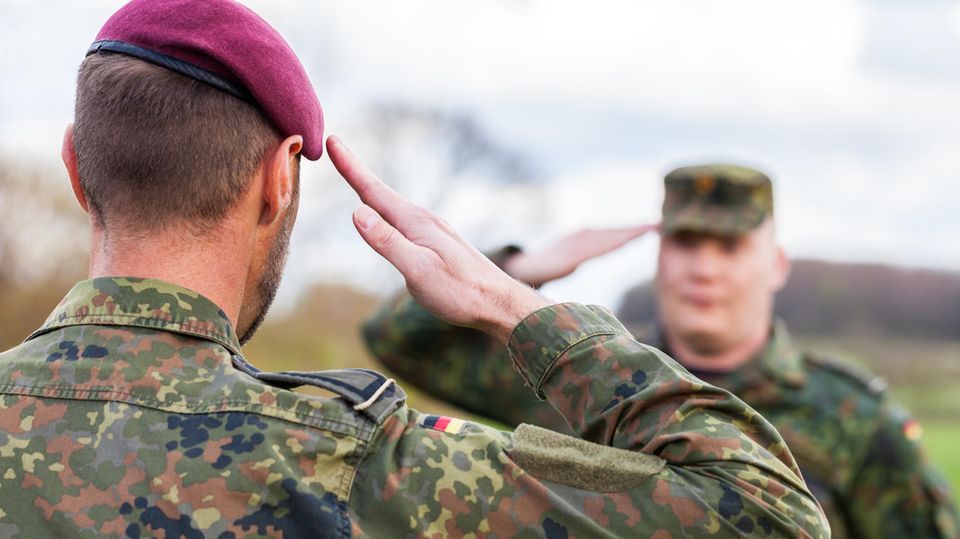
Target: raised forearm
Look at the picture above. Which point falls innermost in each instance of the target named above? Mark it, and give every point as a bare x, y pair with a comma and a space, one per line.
462, 366
615, 391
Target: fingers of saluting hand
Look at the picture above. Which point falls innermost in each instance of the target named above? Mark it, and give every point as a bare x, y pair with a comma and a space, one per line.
643, 229
372, 191
444, 273
409, 237
387, 241
624, 235
618, 236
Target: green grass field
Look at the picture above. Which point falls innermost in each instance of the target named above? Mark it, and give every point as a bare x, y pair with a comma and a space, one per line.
942, 439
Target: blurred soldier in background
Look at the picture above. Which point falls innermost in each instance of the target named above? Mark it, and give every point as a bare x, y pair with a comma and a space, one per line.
719, 269
132, 411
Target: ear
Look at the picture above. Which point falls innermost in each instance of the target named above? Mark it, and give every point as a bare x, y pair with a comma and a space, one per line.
781, 269
69, 155
279, 174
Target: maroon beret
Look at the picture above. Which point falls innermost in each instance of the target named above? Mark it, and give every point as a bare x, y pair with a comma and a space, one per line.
228, 46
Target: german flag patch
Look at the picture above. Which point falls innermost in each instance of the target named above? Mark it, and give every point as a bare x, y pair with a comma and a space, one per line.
912, 430
443, 423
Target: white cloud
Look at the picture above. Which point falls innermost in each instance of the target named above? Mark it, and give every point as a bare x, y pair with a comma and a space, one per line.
688, 55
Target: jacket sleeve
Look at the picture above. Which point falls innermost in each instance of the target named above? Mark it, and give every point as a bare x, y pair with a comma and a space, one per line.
461, 366
657, 453
896, 492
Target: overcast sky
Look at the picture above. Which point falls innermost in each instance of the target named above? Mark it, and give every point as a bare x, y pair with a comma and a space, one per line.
853, 107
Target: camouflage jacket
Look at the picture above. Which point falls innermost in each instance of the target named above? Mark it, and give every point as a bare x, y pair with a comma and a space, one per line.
132, 413
858, 451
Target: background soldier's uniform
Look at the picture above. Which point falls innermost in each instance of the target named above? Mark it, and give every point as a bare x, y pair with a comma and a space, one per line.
132, 411
858, 451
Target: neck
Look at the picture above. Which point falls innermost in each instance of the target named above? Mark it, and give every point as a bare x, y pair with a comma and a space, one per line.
724, 360
214, 267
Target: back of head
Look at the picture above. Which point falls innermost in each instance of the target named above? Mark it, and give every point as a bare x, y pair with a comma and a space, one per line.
177, 103
157, 149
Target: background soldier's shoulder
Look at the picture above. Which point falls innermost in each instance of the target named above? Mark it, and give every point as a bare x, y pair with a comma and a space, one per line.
854, 376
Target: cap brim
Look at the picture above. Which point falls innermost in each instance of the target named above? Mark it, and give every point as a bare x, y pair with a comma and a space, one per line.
713, 220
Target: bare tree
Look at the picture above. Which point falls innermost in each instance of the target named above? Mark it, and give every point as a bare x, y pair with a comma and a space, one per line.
429, 151
433, 156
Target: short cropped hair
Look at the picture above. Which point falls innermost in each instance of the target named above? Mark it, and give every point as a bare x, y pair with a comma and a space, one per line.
156, 149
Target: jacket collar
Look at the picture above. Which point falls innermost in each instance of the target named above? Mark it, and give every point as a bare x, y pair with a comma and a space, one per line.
145, 303
780, 361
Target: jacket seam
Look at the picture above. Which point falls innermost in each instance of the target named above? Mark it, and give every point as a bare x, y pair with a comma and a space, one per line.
553, 363
70, 393
346, 482
103, 319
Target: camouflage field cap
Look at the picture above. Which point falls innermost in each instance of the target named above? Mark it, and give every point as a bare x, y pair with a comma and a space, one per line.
727, 200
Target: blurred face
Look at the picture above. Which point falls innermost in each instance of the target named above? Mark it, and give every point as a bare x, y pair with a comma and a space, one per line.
716, 292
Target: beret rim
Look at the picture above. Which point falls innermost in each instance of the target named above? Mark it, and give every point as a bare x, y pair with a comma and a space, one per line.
169, 62
236, 45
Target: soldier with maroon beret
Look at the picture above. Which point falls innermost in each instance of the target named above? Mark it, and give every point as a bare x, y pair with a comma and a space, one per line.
132, 412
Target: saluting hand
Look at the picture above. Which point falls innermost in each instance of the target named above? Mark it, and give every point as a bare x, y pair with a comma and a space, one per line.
566, 254
443, 272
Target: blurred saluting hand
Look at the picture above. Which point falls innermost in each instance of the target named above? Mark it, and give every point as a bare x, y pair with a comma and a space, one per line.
565, 255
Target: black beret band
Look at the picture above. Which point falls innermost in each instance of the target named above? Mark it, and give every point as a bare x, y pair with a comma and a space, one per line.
171, 63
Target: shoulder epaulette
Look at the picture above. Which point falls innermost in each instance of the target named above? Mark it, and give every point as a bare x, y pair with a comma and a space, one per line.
370, 393
872, 383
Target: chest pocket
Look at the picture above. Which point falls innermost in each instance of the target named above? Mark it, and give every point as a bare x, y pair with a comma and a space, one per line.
370, 392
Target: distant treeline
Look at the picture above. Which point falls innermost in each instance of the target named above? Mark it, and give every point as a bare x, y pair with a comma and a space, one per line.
834, 299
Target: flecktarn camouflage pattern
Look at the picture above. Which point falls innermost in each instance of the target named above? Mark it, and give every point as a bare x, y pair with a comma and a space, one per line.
725, 200
852, 441
859, 452
132, 413
125, 417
